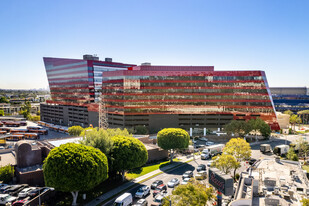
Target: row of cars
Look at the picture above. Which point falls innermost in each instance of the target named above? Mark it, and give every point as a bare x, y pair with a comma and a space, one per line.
19, 194
159, 189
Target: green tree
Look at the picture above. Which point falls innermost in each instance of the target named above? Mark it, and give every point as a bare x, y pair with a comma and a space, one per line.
226, 163
26, 109
75, 130
6, 173
291, 154
305, 202
1, 112
74, 167
238, 148
289, 112
295, 119
304, 115
192, 194
237, 127
265, 129
172, 139
127, 153
258, 126
140, 129
302, 147
3, 100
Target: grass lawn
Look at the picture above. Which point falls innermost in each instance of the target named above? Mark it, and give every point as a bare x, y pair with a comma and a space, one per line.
146, 169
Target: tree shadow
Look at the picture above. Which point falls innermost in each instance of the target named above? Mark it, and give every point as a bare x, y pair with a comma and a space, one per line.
178, 168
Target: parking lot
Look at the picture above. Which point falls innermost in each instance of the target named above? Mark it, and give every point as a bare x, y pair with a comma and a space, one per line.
21, 194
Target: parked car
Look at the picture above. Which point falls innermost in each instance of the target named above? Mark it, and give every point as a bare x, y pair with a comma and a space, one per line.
187, 174
35, 192
4, 188
25, 192
185, 181
2, 185
173, 182
159, 189
6, 198
20, 202
199, 146
142, 192
141, 202
209, 163
201, 175
124, 200
204, 139
159, 199
209, 143
15, 189
156, 183
201, 167
252, 161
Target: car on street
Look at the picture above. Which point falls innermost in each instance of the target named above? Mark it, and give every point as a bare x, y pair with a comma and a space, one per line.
173, 182
141, 202
159, 189
156, 183
187, 174
185, 181
203, 139
201, 175
201, 167
199, 146
142, 192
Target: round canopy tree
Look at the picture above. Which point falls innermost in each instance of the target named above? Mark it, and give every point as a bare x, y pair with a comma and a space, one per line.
127, 153
173, 138
74, 167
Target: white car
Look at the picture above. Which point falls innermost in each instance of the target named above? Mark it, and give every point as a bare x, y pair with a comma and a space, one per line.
142, 192
174, 182
24, 192
203, 139
185, 181
6, 198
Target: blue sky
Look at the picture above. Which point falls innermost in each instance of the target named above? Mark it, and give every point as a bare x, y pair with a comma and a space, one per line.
269, 35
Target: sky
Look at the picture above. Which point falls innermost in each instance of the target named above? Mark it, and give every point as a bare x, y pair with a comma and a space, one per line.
269, 35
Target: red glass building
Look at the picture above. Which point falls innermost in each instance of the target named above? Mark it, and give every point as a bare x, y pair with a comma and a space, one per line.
75, 86
185, 96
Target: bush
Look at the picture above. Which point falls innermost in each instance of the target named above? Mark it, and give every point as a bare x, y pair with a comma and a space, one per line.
6, 173
237, 176
75, 130
139, 129
294, 157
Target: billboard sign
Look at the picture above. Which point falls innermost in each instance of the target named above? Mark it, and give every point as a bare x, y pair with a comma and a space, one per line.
222, 182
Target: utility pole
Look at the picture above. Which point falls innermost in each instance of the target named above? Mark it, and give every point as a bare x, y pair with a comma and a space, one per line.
103, 123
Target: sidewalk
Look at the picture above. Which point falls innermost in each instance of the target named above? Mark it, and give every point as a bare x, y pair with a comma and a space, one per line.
140, 179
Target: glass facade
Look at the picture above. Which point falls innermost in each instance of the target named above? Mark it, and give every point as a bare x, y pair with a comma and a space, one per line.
244, 94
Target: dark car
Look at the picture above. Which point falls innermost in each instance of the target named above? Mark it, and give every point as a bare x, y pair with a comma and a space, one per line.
4, 188
36, 192
156, 183
187, 174
201, 167
252, 161
15, 189
159, 189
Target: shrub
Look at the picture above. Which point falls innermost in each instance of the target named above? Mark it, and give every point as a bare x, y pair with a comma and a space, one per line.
6, 173
237, 176
139, 129
75, 130
295, 157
